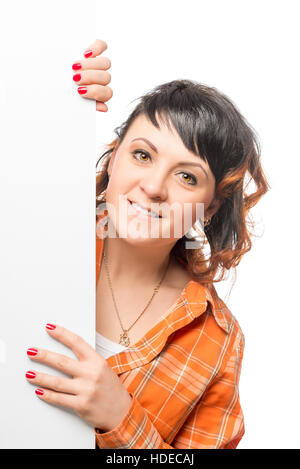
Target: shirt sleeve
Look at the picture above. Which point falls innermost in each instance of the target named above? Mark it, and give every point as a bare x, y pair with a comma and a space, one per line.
216, 422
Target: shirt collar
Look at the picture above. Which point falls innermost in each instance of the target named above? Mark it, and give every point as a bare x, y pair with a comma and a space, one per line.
197, 295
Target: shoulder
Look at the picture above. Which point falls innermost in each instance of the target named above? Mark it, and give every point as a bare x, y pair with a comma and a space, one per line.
225, 318
213, 319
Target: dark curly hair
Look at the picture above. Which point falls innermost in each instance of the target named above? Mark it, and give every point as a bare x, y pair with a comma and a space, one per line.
212, 127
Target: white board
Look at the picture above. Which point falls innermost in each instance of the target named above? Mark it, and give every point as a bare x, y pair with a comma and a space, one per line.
47, 198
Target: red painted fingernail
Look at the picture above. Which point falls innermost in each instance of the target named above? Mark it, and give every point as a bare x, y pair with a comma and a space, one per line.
88, 53
77, 77
82, 89
32, 351
30, 374
76, 66
39, 392
50, 326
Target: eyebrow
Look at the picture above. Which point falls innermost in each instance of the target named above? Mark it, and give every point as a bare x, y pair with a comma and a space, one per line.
187, 163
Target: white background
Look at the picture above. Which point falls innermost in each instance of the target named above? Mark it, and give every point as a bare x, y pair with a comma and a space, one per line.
250, 51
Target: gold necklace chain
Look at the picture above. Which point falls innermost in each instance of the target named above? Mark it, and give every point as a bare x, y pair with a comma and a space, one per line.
124, 339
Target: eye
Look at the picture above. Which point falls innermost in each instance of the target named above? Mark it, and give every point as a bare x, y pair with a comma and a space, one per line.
192, 178
142, 153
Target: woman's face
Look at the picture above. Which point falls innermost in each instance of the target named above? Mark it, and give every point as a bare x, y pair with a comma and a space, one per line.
152, 170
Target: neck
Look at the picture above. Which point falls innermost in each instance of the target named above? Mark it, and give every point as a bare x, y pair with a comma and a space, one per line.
138, 265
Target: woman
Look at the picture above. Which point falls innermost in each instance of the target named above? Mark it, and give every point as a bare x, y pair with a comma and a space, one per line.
166, 368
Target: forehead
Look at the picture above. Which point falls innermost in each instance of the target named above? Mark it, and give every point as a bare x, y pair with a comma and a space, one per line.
142, 126
165, 138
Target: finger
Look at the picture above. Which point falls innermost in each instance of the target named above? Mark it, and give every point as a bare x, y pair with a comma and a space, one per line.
101, 106
56, 360
94, 63
96, 48
76, 343
57, 398
90, 77
96, 92
56, 383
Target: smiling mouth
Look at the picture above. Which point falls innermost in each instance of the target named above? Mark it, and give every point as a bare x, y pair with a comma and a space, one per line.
143, 211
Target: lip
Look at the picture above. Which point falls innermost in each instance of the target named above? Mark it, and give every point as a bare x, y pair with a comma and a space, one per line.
145, 208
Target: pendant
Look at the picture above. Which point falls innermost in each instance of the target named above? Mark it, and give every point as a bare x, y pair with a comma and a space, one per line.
124, 339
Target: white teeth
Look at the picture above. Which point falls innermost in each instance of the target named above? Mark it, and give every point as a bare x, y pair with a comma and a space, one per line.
143, 210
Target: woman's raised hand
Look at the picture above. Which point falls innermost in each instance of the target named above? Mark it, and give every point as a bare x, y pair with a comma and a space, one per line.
92, 76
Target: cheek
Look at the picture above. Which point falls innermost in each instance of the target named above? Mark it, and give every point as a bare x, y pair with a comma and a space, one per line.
114, 188
200, 206
120, 181
190, 212
182, 218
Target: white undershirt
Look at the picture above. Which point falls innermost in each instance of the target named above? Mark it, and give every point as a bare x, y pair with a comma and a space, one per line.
106, 347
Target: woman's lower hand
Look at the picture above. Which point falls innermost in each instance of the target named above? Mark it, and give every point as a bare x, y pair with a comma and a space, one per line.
95, 392
92, 77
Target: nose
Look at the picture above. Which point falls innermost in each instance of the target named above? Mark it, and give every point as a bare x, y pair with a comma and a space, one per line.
154, 186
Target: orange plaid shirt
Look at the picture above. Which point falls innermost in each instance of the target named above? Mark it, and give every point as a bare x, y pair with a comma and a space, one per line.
183, 377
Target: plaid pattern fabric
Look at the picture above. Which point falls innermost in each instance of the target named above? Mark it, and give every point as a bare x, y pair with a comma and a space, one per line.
183, 377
